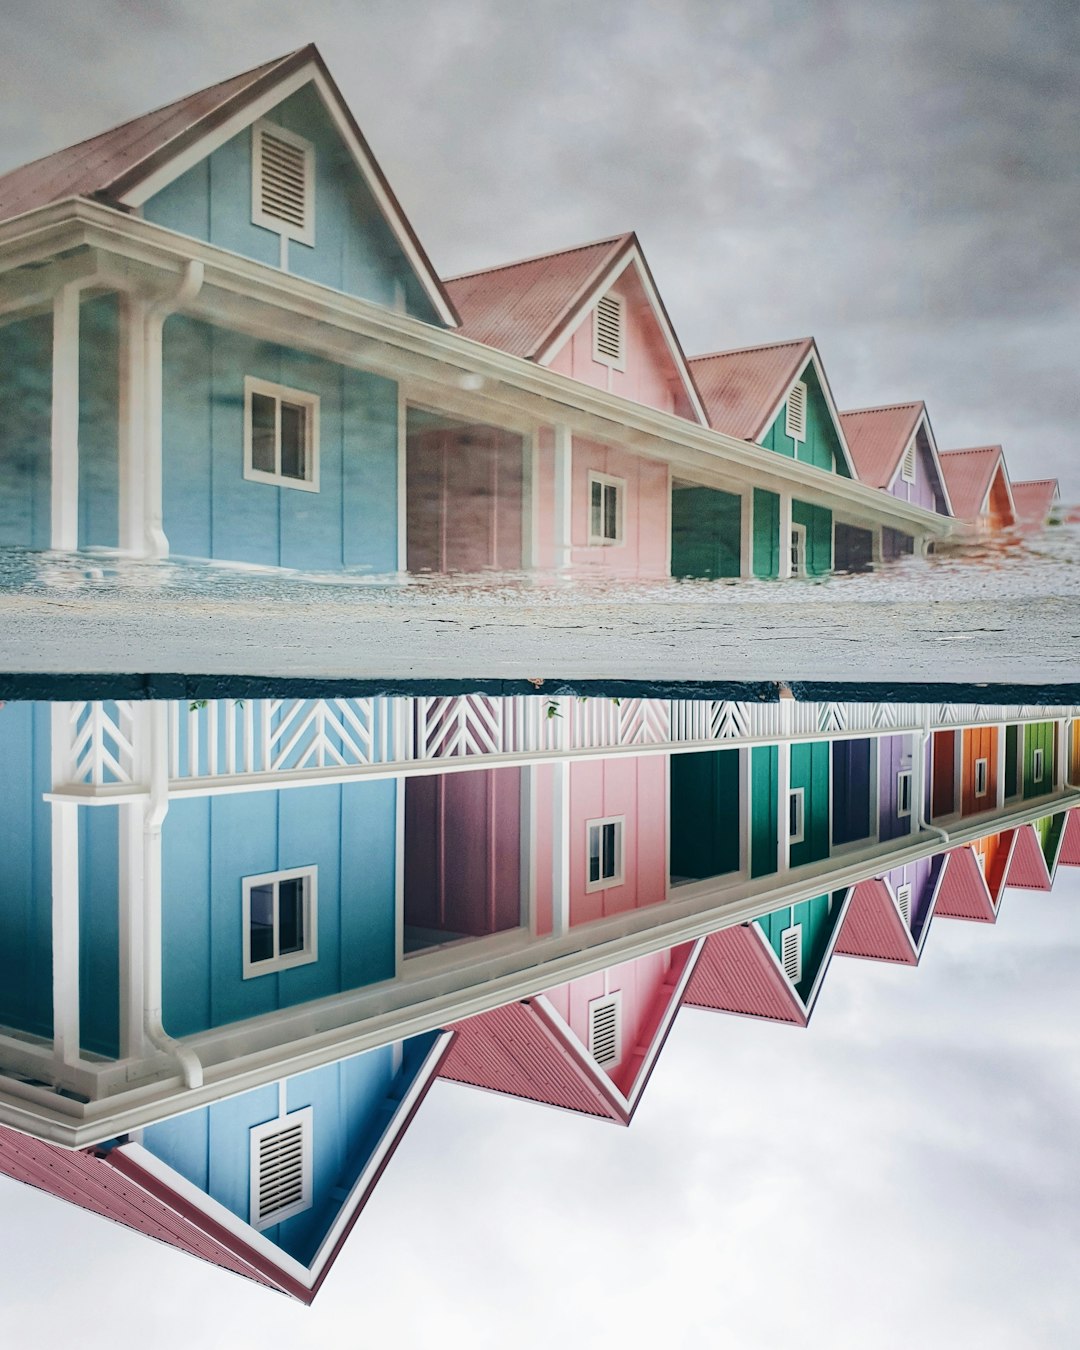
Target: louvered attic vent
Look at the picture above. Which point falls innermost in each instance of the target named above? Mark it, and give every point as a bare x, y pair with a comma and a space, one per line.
796, 411
283, 172
608, 335
903, 902
791, 952
604, 1030
907, 469
281, 1169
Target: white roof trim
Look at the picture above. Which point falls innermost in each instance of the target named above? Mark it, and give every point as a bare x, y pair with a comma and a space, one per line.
606, 281
813, 359
896, 905
251, 112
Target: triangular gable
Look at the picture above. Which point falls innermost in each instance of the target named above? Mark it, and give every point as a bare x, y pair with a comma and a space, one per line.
962, 891
1069, 852
1028, 869
1035, 499
738, 973
745, 391
1053, 841
88, 1179
974, 478
533, 307
131, 163
528, 1049
879, 437
874, 927
997, 868
230, 1233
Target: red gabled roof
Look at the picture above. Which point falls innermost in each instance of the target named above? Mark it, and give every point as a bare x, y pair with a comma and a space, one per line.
520, 1049
968, 476
962, 891
874, 928
877, 439
738, 973
1034, 499
1028, 868
1069, 854
741, 389
518, 307
89, 1180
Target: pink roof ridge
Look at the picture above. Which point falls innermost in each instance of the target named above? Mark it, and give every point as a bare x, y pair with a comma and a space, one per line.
741, 388
607, 240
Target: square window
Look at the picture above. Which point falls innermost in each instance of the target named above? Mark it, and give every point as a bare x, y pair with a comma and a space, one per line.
281, 435
796, 815
903, 792
606, 506
279, 921
604, 853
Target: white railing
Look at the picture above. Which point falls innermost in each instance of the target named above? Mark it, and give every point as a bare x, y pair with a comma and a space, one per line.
266, 741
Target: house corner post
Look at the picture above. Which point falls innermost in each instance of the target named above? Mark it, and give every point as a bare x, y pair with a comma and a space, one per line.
64, 822
564, 497
783, 559
64, 434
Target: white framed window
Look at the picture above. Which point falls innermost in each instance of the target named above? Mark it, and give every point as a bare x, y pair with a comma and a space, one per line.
796, 815
907, 464
791, 952
903, 901
281, 435
798, 550
1037, 764
604, 852
280, 919
980, 858
609, 331
281, 1168
795, 420
982, 777
605, 1029
283, 182
607, 508
903, 792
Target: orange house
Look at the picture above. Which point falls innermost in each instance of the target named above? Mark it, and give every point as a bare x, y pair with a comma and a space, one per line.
978, 769
943, 774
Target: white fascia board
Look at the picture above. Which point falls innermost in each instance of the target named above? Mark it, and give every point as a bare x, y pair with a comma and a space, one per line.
896, 905
607, 280
834, 936
697, 451
252, 112
813, 359
661, 1033
556, 1024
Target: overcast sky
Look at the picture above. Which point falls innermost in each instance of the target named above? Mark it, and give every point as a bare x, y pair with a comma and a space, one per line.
901, 1174
901, 179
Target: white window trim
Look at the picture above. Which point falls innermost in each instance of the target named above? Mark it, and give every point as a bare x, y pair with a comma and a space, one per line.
795, 929
982, 770
605, 883
1038, 764
902, 774
796, 433
904, 893
614, 1000
258, 216
310, 953
303, 1118
910, 455
606, 480
797, 835
283, 393
601, 358
797, 546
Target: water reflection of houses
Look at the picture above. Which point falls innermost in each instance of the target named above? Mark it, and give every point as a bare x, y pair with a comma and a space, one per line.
224, 915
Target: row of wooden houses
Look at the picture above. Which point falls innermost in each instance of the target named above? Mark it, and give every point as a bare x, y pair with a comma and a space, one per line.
220, 338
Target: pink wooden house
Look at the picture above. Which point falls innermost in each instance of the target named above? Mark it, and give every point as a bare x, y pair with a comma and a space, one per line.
1035, 500
978, 484
894, 449
588, 1046
974, 878
592, 313
1028, 868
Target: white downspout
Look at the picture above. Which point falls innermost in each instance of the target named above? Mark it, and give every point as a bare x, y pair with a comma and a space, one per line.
928, 783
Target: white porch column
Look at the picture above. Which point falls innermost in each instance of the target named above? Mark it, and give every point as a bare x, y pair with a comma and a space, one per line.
65, 896
784, 556
65, 419
132, 424
560, 849
746, 788
746, 535
999, 768
920, 748
564, 496
877, 544
1061, 753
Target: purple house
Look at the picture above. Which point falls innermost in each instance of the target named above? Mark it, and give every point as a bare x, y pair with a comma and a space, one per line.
888, 918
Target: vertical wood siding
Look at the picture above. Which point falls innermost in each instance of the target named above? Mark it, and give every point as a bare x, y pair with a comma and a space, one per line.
1038, 735
978, 743
926, 490
764, 767
705, 814
644, 552
766, 533
851, 766
818, 918
810, 771
706, 533
822, 444
943, 774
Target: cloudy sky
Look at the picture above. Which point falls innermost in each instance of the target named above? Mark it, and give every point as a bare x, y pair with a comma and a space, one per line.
901, 179
902, 1173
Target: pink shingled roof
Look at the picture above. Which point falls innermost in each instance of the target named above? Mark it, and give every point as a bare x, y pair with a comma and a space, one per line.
737, 973
962, 891
1028, 868
1069, 855
968, 475
1034, 499
877, 439
873, 927
519, 307
519, 1050
88, 1179
741, 389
